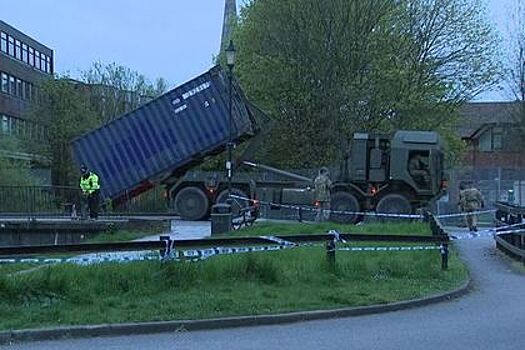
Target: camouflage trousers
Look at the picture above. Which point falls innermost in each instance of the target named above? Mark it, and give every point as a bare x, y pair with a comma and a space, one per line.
323, 211
471, 220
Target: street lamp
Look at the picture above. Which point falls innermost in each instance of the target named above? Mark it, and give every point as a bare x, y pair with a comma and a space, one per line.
230, 62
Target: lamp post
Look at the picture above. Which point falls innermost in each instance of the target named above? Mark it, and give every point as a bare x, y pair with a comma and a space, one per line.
230, 62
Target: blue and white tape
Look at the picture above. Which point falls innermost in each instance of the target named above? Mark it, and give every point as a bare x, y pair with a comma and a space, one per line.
368, 213
453, 215
389, 248
338, 212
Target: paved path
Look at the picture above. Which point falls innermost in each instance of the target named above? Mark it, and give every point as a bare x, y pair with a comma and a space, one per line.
491, 317
185, 230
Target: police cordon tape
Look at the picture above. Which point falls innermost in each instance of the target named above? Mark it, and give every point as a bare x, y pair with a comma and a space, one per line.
193, 255
364, 213
445, 216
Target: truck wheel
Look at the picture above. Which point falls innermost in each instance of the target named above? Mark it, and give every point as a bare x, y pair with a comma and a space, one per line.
344, 201
393, 204
191, 203
237, 204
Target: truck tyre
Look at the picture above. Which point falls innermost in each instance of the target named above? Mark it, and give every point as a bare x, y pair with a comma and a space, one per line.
344, 201
191, 203
237, 204
393, 204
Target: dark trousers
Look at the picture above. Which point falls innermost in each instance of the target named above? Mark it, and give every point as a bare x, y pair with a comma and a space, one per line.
93, 204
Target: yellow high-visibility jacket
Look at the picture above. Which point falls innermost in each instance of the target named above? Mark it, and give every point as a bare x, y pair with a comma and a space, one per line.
89, 184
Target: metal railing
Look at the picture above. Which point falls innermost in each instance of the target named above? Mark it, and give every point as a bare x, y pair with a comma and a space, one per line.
50, 201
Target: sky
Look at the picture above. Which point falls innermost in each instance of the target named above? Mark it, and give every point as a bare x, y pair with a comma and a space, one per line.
172, 39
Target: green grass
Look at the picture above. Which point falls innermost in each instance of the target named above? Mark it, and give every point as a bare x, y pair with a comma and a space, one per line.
266, 228
246, 284
14, 268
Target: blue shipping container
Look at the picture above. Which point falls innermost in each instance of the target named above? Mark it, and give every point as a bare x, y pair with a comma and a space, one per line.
151, 143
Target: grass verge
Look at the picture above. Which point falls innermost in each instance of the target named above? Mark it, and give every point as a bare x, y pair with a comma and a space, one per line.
268, 228
246, 284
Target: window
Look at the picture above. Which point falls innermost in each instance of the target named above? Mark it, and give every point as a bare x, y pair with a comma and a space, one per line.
24, 53
3, 42
13, 126
31, 57
34, 94
48, 64
12, 85
18, 92
27, 92
18, 50
11, 45
5, 125
37, 59
4, 84
22, 128
497, 139
43, 62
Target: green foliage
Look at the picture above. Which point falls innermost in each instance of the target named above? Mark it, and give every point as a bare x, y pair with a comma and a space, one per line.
116, 89
66, 112
324, 70
269, 229
13, 172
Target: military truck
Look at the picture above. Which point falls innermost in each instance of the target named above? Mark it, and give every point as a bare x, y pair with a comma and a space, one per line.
158, 143
382, 173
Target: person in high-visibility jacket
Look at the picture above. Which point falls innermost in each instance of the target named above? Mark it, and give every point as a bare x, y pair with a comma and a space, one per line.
90, 186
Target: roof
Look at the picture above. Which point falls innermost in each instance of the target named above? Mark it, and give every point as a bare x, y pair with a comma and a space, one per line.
474, 115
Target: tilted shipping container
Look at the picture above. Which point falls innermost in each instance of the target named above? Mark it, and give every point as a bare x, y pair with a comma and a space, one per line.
166, 136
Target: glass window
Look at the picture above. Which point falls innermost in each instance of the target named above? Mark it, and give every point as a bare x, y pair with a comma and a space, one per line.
13, 126
31, 56
4, 84
3, 42
18, 92
11, 45
37, 59
18, 50
497, 138
43, 62
24, 53
5, 125
22, 127
48, 64
27, 92
12, 85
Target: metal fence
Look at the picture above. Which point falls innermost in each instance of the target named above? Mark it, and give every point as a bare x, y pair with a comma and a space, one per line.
63, 201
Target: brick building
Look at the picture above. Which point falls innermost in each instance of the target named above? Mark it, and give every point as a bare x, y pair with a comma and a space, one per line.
23, 62
492, 134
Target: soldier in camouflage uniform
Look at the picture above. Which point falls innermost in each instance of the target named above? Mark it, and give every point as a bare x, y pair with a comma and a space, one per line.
322, 185
418, 169
470, 199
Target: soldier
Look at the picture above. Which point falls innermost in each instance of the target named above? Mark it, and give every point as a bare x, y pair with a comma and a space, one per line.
418, 169
470, 200
322, 185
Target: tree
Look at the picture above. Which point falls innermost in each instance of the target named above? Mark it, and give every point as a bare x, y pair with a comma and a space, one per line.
13, 171
66, 113
324, 70
116, 89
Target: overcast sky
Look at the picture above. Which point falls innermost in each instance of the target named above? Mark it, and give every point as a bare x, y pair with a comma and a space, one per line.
173, 39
